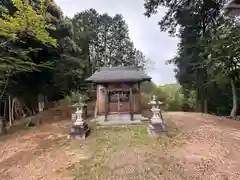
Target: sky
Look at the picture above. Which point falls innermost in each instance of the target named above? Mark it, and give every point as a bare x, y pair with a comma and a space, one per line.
144, 32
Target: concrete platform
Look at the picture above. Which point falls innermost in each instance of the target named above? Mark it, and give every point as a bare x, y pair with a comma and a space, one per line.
120, 119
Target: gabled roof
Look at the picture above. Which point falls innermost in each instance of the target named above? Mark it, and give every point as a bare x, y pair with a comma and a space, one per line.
118, 74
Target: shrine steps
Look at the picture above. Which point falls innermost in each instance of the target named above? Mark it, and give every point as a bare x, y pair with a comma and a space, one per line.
120, 119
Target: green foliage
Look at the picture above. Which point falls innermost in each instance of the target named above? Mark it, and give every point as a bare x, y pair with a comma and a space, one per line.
72, 98
23, 23
208, 54
105, 41
169, 94
173, 95
26, 22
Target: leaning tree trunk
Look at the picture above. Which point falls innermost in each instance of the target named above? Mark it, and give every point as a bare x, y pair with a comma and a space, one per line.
13, 112
234, 96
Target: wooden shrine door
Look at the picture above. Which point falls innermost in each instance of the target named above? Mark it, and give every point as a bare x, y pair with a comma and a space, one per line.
123, 102
119, 102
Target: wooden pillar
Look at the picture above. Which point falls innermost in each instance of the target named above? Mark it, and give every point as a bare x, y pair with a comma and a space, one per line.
131, 103
140, 99
106, 102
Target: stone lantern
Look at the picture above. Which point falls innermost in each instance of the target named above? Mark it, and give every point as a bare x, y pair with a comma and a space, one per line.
79, 129
156, 125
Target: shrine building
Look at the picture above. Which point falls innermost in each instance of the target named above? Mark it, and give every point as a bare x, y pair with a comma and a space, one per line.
118, 90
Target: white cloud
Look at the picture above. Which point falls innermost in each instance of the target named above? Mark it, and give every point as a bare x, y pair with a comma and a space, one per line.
144, 32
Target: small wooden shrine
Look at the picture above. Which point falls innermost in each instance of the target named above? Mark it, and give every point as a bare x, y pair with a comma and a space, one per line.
118, 90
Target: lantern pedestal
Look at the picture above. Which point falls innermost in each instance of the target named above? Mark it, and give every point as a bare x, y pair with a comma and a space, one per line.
80, 128
80, 132
156, 129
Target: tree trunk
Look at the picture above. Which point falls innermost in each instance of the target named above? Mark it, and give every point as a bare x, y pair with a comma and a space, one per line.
105, 47
40, 103
3, 129
234, 96
198, 92
205, 106
5, 114
198, 100
205, 92
13, 110
13, 113
9, 111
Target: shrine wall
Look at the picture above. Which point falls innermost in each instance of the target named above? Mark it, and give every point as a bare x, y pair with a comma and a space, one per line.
114, 106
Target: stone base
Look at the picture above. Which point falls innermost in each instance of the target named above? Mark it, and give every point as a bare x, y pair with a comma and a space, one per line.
156, 129
79, 131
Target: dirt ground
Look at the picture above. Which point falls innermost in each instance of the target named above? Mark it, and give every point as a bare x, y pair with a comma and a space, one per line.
211, 151
39, 154
213, 147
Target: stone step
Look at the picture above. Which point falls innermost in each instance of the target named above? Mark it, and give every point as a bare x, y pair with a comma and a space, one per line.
110, 123
120, 119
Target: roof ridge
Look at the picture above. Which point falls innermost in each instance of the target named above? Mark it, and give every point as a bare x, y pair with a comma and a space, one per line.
116, 68
113, 74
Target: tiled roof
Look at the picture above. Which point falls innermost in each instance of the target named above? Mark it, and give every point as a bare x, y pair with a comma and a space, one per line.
118, 74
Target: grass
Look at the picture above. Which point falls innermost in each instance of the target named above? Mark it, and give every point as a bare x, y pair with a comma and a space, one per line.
120, 152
